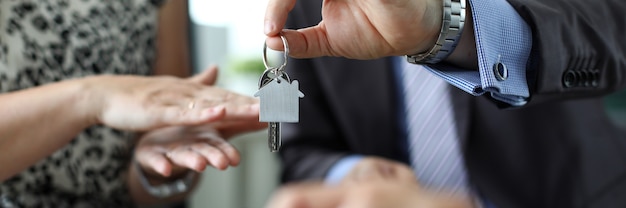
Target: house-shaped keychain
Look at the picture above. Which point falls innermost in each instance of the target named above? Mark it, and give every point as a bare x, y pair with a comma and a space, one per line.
279, 101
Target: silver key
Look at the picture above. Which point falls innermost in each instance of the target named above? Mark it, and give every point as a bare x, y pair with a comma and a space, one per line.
279, 98
273, 132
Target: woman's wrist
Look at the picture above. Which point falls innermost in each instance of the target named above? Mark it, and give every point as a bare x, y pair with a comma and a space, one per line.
86, 101
161, 186
156, 178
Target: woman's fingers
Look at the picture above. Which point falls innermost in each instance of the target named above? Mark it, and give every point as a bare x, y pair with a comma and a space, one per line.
153, 160
193, 104
214, 155
214, 150
187, 158
243, 112
230, 128
174, 115
200, 154
231, 153
229, 120
207, 77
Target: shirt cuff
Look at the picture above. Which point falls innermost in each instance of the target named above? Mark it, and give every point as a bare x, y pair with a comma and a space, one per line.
341, 168
502, 36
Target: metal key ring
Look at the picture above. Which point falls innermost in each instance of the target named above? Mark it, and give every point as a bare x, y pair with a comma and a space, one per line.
286, 48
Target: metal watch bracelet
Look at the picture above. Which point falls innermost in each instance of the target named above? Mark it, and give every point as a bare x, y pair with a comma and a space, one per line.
181, 185
451, 29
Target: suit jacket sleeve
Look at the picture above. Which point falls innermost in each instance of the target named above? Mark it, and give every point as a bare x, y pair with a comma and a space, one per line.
578, 47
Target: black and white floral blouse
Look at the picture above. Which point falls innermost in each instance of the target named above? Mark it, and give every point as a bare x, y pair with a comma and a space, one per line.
43, 41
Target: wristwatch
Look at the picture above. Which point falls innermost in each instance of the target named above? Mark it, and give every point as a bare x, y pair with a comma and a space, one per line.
181, 185
451, 29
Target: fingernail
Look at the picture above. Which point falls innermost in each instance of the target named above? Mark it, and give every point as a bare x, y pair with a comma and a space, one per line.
269, 27
216, 109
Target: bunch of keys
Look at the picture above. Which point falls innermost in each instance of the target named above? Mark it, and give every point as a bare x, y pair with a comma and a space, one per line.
279, 98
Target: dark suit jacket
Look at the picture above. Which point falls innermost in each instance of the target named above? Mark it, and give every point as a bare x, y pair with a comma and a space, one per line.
560, 150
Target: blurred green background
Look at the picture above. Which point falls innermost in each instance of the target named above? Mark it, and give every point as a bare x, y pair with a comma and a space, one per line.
251, 66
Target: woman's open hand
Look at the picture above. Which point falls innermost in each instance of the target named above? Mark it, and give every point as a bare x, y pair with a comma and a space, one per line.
146, 103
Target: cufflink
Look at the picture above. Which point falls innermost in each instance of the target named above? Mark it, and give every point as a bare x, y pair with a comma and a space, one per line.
500, 70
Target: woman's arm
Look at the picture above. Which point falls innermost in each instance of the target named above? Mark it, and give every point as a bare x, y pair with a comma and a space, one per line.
36, 122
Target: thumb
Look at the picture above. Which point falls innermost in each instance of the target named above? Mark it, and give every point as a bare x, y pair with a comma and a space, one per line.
303, 43
152, 161
206, 77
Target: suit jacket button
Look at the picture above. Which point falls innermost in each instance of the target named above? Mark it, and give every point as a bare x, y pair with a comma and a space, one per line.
585, 78
595, 78
500, 70
570, 79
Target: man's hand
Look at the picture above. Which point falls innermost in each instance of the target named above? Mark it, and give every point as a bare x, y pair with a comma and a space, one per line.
373, 183
379, 169
372, 194
359, 29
